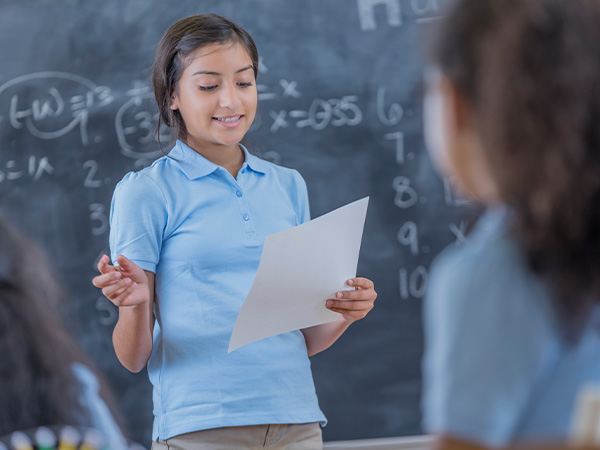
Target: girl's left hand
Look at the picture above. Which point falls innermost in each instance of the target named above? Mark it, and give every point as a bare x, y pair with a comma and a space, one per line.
356, 304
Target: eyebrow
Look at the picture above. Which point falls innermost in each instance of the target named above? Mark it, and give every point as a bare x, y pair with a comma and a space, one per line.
207, 72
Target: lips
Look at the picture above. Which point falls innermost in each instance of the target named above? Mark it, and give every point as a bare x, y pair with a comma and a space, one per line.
229, 121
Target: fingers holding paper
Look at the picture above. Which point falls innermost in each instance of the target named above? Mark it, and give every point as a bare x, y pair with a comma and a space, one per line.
354, 304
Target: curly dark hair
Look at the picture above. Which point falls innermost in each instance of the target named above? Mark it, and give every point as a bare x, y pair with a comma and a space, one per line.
37, 383
179, 41
530, 70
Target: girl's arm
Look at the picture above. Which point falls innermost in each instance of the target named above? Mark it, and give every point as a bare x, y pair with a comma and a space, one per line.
132, 290
352, 305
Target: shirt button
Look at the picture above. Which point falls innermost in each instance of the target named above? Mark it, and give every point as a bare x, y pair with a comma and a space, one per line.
246, 217
238, 193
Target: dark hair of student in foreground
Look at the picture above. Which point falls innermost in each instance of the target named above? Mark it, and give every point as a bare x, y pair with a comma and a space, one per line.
530, 71
37, 383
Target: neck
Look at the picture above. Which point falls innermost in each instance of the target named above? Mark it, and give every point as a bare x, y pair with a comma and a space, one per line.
230, 158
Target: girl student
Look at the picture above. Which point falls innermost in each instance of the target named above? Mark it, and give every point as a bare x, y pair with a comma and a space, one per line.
186, 239
512, 322
45, 379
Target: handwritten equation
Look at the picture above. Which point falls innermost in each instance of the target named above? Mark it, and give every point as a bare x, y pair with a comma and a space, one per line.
49, 105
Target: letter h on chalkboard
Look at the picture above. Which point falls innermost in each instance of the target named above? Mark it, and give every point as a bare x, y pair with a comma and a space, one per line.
366, 11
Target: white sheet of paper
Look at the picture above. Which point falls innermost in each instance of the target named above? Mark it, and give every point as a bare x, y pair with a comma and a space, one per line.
299, 270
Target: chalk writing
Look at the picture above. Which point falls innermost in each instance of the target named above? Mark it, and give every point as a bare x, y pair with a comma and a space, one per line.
320, 115
425, 6
34, 168
135, 123
423, 10
279, 120
406, 196
408, 235
426, 10
366, 13
394, 113
413, 283
398, 137
51, 104
289, 88
264, 94
451, 196
272, 156
92, 170
459, 232
98, 215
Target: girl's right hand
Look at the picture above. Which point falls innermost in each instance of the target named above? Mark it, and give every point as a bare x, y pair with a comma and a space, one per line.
126, 285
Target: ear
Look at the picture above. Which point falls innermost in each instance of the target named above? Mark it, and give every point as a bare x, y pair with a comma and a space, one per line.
174, 105
458, 111
466, 152
439, 121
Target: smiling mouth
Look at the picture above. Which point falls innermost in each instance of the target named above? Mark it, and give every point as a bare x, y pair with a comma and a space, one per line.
229, 119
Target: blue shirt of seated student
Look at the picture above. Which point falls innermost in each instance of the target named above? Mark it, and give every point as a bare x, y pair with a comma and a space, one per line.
497, 368
89, 398
201, 231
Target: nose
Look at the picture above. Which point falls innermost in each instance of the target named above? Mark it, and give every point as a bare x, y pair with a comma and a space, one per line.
229, 98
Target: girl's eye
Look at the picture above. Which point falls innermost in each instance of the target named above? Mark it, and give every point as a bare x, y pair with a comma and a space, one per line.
244, 85
208, 88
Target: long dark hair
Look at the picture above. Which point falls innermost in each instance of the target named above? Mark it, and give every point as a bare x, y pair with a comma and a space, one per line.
530, 70
37, 383
182, 38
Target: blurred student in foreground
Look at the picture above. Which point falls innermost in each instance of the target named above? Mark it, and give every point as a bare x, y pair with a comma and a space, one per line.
512, 319
44, 377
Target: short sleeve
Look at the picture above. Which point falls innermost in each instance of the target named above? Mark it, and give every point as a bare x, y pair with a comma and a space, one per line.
138, 218
100, 416
487, 334
301, 198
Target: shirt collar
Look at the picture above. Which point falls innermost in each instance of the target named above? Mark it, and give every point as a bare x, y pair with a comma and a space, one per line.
194, 165
254, 162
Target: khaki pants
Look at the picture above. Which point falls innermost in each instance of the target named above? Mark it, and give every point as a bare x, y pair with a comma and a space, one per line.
304, 436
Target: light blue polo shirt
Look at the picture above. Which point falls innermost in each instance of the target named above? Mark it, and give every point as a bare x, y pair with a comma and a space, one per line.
497, 368
201, 231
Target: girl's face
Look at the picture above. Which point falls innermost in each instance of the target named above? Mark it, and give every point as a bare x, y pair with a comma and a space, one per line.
216, 96
453, 139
